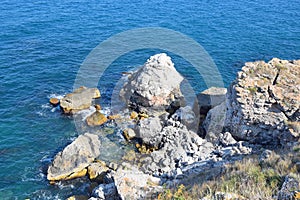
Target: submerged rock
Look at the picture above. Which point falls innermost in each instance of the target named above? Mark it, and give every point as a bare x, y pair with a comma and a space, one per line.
73, 160
263, 104
129, 134
96, 119
155, 84
80, 99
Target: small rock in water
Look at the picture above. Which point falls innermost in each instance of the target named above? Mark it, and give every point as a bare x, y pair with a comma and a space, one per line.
78, 197
79, 100
98, 107
113, 117
54, 101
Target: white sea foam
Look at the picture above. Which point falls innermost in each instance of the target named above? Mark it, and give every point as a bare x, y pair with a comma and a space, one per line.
85, 113
40, 113
58, 96
46, 106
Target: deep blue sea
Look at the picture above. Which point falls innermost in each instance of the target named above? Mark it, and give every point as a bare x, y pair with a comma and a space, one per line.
43, 43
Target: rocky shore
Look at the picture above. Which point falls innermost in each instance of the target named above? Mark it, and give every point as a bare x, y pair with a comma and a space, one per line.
173, 142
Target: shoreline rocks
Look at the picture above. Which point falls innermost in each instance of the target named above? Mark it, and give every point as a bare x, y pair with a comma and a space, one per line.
73, 160
80, 99
260, 107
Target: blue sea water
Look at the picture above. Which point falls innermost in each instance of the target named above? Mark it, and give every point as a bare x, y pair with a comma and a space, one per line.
43, 43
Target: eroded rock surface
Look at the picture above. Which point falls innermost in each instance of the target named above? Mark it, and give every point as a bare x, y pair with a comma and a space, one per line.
263, 103
73, 160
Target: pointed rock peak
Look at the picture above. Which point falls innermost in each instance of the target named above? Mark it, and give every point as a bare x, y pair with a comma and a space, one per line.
159, 61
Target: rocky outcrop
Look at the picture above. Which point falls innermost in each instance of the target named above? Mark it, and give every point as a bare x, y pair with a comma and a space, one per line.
169, 141
75, 158
155, 84
80, 99
263, 104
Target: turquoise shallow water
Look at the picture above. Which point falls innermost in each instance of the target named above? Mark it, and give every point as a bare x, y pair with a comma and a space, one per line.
43, 43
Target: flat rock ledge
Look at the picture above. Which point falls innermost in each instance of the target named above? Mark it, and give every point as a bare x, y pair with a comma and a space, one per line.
73, 161
79, 100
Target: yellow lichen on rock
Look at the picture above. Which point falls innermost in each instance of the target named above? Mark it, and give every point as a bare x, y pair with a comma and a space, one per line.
96, 119
54, 101
96, 169
113, 117
77, 174
134, 115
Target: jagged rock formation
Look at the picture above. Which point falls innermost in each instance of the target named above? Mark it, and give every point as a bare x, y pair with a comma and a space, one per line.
75, 158
155, 84
263, 103
80, 99
261, 106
